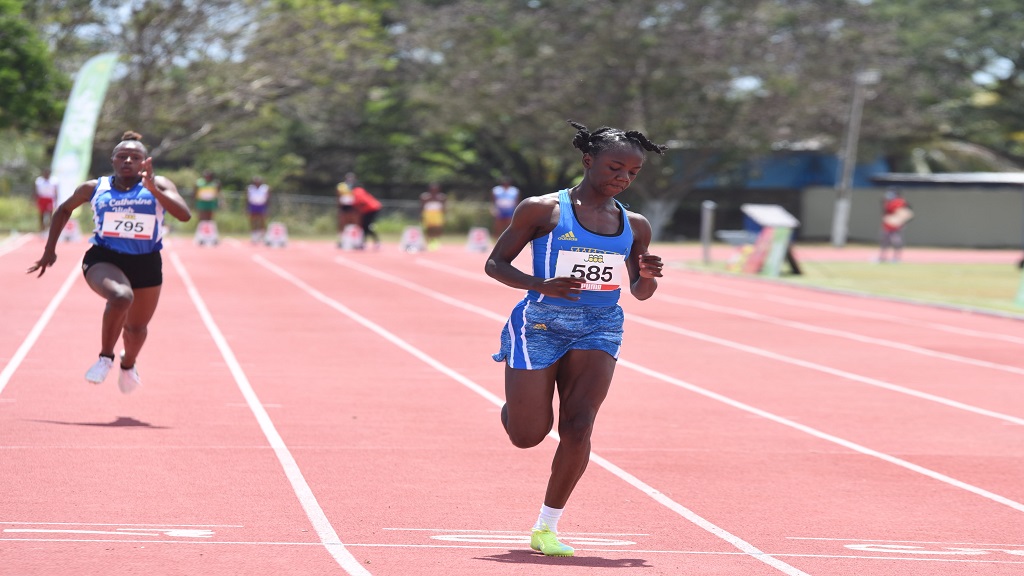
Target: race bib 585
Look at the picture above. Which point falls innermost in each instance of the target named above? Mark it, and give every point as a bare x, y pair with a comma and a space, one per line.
598, 271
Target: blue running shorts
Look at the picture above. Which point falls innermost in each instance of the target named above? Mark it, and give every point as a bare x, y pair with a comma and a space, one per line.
537, 335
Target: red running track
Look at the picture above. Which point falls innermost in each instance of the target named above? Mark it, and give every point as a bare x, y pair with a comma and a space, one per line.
312, 411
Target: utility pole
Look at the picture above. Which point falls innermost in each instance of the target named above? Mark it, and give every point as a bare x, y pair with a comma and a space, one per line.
844, 187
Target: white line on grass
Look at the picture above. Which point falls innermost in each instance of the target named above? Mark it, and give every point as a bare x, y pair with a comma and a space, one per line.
328, 537
729, 401
735, 541
33, 335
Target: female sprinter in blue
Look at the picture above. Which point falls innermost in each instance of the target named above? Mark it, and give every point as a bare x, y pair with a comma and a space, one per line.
123, 265
566, 333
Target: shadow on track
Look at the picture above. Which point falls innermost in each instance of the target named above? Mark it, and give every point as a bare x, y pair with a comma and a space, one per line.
119, 422
529, 557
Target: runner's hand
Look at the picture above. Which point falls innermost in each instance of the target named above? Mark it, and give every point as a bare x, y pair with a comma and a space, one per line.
568, 288
650, 266
146, 171
42, 264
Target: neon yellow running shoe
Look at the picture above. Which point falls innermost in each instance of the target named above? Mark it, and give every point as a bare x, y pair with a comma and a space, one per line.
546, 542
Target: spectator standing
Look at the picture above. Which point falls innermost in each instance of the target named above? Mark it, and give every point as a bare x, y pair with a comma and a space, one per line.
368, 207
207, 195
504, 199
896, 212
257, 196
46, 196
432, 205
347, 213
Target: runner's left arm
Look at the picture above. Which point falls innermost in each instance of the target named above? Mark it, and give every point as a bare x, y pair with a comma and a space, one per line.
644, 268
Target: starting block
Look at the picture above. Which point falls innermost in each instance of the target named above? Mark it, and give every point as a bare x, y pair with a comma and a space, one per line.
276, 235
72, 232
478, 240
412, 239
206, 233
351, 237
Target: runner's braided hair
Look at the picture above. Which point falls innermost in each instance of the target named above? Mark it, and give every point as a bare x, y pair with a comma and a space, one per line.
131, 136
594, 142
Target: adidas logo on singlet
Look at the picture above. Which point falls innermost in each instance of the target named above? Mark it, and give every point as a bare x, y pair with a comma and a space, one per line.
568, 236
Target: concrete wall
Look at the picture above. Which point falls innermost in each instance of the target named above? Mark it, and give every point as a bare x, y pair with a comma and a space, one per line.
960, 217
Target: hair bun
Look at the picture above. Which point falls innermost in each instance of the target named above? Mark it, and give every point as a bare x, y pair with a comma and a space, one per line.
131, 135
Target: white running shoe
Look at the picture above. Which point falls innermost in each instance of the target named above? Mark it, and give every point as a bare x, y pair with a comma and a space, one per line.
128, 380
98, 372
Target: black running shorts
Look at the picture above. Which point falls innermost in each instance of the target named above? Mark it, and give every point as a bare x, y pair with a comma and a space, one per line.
142, 270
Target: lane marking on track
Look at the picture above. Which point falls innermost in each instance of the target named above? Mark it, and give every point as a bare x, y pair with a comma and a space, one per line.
33, 334
738, 543
1006, 418
124, 524
714, 396
525, 539
855, 312
840, 334
469, 531
964, 557
13, 242
328, 537
935, 542
824, 369
945, 560
173, 532
921, 548
519, 536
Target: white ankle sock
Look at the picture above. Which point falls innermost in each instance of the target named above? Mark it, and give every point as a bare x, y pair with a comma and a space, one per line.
548, 518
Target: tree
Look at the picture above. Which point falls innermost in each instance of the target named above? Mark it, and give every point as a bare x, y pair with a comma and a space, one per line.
973, 55
724, 81
29, 84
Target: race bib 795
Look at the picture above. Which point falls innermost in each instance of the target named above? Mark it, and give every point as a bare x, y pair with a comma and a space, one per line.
128, 225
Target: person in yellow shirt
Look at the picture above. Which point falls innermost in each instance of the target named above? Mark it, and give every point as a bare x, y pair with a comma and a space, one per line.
207, 195
347, 212
432, 204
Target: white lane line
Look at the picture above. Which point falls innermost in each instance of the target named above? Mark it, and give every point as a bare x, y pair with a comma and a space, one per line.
630, 551
733, 540
124, 524
824, 539
828, 437
328, 537
33, 335
780, 299
13, 242
1009, 419
517, 532
729, 401
825, 369
839, 334
847, 311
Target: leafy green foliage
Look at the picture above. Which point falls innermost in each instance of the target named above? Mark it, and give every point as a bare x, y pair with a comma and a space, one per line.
29, 84
462, 91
